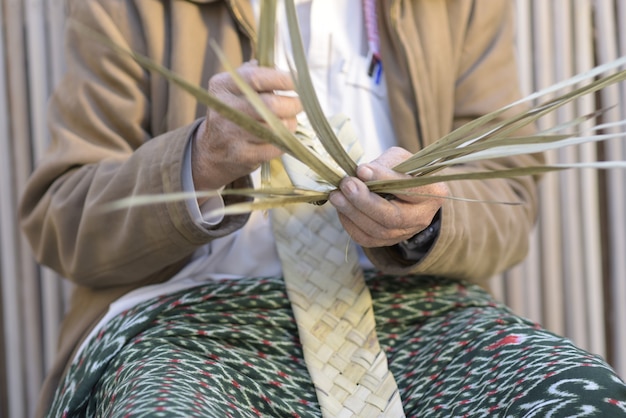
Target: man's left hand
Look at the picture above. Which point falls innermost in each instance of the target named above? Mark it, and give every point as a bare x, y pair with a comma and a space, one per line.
373, 221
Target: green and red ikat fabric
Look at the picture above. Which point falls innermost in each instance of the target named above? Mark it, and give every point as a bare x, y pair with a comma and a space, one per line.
230, 349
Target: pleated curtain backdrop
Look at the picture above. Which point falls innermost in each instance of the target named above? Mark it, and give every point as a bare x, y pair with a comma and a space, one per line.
573, 282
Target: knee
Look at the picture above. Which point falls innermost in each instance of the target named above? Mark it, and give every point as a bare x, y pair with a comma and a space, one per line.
590, 388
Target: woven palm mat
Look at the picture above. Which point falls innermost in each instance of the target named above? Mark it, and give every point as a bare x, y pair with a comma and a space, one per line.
230, 349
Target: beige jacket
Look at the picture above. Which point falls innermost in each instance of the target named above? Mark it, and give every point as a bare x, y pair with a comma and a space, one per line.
118, 130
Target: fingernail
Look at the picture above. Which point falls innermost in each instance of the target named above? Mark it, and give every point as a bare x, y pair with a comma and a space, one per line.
365, 173
349, 187
337, 199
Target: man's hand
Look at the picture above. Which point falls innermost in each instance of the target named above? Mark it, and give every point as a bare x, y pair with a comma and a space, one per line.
223, 152
373, 221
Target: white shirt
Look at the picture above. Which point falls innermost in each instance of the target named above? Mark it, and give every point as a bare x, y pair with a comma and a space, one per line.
336, 44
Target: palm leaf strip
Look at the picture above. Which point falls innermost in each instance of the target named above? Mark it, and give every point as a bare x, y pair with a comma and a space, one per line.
265, 54
311, 104
398, 186
466, 134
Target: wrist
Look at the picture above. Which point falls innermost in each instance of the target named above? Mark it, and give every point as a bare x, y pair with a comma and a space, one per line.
204, 173
416, 247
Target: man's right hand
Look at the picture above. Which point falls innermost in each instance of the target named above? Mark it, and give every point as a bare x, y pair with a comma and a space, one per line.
223, 152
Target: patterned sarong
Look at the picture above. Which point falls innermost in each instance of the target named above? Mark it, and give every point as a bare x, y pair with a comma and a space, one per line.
230, 349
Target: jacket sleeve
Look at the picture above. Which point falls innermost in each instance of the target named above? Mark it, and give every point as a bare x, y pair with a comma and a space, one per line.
103, 149
479, 240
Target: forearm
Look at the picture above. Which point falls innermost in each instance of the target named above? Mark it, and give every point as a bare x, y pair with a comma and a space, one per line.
72, 233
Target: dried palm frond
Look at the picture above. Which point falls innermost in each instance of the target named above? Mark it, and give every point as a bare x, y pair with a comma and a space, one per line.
487, 137
267, 33
311, 105
265, 55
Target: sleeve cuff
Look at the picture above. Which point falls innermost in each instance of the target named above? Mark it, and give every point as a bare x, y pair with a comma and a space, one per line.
416, 247
199, 213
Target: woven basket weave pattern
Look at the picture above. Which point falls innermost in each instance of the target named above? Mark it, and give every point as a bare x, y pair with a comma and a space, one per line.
333, 310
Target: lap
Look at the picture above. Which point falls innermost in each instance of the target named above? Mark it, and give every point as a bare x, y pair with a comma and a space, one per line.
232, 350
456, 352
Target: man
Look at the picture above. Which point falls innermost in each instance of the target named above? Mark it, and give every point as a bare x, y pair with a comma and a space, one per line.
154, 327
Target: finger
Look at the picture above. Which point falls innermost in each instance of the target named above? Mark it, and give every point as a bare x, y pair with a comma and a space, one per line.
291, 124
243, 155
281, 105
382, 167
387, 219
266, 79
364, 237
392, 157
375, 171
226, 135
286, 109
260, 79
381, 218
